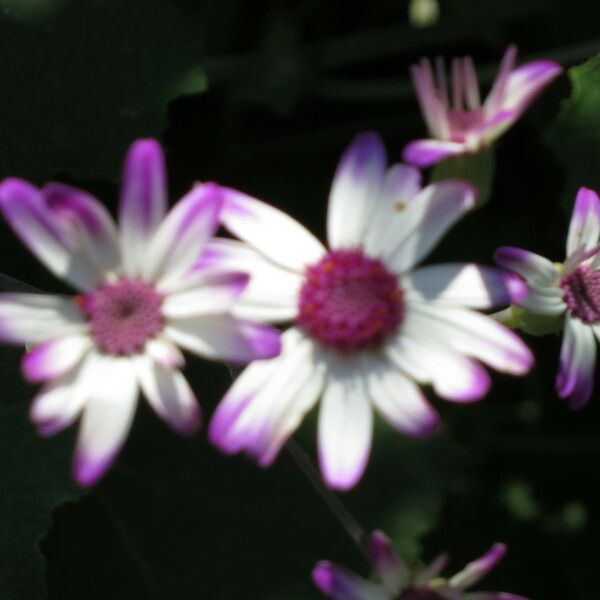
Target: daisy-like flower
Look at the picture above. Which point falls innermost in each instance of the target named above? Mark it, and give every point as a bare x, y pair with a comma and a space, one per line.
138, 301
399, 582
368, 328
457, 120
571, 289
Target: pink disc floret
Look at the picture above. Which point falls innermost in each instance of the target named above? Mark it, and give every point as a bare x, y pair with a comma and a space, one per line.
123, 316
350, 301
581, 293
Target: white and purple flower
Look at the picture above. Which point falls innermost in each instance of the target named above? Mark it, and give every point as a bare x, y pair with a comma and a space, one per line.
399, 582
457, 120
137, 302
571, 289
368, 326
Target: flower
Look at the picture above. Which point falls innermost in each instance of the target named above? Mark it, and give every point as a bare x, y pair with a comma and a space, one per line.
367, 327
571, 289
467, 125
399, 582
137, 302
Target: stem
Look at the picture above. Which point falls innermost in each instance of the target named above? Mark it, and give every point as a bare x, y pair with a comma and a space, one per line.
344, 516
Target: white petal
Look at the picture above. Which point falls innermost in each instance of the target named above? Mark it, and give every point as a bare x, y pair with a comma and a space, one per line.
170, 395
355, 191
272, 293
345, 428
536, 269
35, 318
270, 231
424, 221
164, 352
268, 401
110, 385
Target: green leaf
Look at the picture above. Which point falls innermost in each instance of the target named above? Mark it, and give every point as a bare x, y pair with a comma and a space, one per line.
574, 136
35, 479
81, 81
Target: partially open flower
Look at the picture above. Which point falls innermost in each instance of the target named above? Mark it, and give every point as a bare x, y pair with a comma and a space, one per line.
457, 120
138, 302
397, 581
369, 326
571, 289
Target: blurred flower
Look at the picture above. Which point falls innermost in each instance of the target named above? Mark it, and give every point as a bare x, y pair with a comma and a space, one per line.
423, 13
368, 328
460, 123
138, 301
571, 289
399, 582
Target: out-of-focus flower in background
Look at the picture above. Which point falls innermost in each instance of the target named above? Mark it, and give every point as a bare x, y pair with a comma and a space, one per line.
397, 581
456, 118
572, 290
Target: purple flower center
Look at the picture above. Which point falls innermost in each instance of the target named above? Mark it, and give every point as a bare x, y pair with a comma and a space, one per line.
420, 594
123, 316
581, 293
350, 301
463, 122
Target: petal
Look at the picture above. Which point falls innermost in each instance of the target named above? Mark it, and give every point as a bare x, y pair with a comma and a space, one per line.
268, 401
432, 570
392, 570
214, 293
399, 400
164, 352
585, 221
55, 357
57, 405
534, 268
495, 99
345, 428
469, 285
426, 153
575, 378
35, 318
355, 190
89, 220
341, 584
434, 210
111, 388
528, 81
479, 568
24, 208
401, 185
170, 395
143, 201
224, 337
180, 239
272, 293
430, 360
270, 231
475, 335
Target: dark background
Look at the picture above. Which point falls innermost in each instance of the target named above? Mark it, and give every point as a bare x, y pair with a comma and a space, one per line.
264, 96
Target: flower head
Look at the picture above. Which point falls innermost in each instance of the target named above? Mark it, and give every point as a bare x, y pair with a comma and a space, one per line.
399, 582
457, 120
138, 301
571, 289
368, 327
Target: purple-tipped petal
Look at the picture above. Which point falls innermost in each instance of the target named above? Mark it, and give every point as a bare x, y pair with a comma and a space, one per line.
345, 430
181, 238
24, 208
584, 228
355, 191
392, 570
479, 568
223, 337
89, 220
170, 395
270, 231
426, 153
54, 358
340, 584
532, 267
457, 284
527, 81
143, 201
